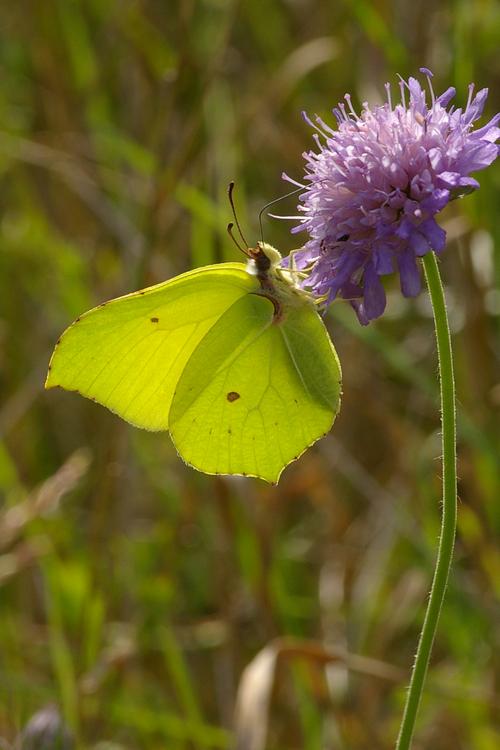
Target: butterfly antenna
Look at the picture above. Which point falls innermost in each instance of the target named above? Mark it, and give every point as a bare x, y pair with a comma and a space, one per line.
231, 201
230, 233
271, 203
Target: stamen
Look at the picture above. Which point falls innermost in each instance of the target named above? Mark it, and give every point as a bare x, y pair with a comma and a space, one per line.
402, 86
469, 99
323, 125
317, 141
311, 123
429, 75
347, 97
275, 216
387, 87
272, 203
344, 113
337, 114
286, 177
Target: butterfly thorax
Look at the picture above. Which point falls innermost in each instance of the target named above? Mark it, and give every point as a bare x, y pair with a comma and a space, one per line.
282, 285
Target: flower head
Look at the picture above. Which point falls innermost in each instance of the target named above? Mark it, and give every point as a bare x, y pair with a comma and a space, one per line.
374, 186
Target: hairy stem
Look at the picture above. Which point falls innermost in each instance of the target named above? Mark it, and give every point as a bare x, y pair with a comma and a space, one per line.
449, 517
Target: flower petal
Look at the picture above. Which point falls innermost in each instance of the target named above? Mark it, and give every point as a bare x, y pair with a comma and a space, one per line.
475, 108
436, 201
477, 156
446, 97
418, 243
374, 297
435, 235
409, 273
488, 132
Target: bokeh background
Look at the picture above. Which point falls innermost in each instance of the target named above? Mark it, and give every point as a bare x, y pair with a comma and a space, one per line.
134, 591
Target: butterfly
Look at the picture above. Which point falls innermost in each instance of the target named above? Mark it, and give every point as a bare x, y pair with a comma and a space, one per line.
232, 359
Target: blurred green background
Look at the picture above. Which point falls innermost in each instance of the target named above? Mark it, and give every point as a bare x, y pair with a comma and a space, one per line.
134, 591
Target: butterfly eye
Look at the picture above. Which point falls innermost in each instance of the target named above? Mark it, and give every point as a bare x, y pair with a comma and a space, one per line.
262, 261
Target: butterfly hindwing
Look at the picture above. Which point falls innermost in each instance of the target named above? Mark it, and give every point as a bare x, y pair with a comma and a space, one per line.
256, 393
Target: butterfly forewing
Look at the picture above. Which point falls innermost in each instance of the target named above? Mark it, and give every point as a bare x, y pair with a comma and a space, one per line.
128, 354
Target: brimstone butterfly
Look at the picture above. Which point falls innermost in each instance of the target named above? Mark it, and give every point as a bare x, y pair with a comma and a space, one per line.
233, 360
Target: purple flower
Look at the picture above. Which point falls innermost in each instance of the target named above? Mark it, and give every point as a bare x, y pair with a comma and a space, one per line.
374, 186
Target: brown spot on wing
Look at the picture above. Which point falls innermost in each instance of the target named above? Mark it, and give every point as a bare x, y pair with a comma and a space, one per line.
233, 396
154, 320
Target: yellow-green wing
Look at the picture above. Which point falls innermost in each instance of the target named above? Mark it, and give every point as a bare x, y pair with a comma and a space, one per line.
128, 353
256, 393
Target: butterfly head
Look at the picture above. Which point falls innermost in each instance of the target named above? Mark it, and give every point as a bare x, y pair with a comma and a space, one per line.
262, 259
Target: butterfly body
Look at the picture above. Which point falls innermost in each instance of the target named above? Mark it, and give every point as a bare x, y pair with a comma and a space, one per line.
232, 360
280, 285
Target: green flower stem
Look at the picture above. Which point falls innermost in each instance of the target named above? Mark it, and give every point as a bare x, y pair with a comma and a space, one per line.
449, 519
